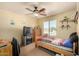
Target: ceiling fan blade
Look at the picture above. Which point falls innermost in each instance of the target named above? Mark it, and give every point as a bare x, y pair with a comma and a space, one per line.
29, 9
41, 10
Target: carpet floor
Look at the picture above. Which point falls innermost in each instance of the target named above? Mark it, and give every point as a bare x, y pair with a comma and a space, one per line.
30, 50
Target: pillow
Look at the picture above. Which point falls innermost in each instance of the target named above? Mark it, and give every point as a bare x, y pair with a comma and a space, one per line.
47, 41
45, 35
68, 43
57, 41
45, 38
61, 42
39, 38
52, 37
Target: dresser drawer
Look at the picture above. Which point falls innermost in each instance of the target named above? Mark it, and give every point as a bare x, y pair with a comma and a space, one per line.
6, 50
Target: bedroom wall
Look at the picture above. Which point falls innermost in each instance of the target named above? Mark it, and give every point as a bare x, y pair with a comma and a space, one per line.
61, 33
8, 31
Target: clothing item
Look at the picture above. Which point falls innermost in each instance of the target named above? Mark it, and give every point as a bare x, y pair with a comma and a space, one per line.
15, 47
68, 43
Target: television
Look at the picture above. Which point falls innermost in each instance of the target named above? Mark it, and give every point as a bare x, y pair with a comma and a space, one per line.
27, 31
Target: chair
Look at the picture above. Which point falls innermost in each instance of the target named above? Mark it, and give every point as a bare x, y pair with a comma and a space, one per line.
15, 47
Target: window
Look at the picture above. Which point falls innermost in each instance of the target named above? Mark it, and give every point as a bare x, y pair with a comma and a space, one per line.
46, 27
49, 27
52, 28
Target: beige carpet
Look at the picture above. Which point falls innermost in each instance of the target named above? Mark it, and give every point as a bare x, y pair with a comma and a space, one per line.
30, 50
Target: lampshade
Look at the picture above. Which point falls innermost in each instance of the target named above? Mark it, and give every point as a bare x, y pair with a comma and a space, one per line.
35, 14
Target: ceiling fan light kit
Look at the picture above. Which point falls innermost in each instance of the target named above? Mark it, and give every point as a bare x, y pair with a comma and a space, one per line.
35, 14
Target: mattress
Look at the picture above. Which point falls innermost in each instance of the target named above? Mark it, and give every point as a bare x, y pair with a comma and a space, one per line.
60, 47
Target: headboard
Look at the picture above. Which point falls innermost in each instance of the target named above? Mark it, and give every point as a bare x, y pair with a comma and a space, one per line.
75, 48
74, 38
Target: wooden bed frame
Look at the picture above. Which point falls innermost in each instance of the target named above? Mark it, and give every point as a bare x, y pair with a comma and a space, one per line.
37, 34
57, 50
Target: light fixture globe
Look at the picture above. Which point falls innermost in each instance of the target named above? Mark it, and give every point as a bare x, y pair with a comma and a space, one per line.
35, 14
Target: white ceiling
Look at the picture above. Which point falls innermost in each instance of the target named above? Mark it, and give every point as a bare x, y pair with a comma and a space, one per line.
52, 8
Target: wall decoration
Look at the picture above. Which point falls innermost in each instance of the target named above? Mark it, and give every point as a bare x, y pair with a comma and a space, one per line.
68, 20
12, 22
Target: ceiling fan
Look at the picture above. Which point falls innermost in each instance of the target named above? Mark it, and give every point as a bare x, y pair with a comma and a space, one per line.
37, 12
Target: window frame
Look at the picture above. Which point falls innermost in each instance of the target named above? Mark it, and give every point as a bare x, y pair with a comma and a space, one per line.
49, 26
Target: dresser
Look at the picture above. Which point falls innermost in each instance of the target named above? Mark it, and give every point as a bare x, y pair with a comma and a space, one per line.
5, 49
37, 34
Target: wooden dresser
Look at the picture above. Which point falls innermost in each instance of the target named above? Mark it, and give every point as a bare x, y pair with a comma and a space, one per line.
6, 50
37, 34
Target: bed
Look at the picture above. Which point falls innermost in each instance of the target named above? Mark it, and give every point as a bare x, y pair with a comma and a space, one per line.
56, 48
